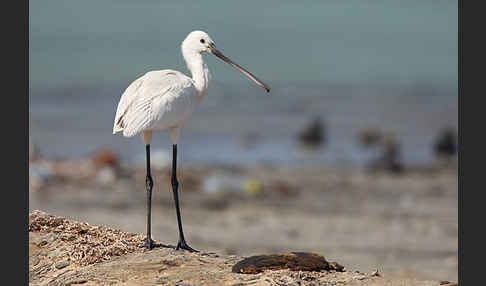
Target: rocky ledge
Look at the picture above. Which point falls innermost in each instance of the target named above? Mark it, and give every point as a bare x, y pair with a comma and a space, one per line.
67, 252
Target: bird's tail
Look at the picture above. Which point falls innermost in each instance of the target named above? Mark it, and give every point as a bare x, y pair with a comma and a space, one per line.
117, 128
118, 125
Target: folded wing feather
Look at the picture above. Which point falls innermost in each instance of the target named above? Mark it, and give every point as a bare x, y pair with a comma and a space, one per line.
149, 99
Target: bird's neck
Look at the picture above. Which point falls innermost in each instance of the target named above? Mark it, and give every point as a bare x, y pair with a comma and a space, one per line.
200, 73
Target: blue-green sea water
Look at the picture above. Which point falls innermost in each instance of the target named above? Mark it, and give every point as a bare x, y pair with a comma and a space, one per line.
357, 64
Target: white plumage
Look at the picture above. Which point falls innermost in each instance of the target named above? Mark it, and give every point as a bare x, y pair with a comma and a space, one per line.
156, 101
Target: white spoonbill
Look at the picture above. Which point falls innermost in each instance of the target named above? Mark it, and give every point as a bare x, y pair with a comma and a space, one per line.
165, 99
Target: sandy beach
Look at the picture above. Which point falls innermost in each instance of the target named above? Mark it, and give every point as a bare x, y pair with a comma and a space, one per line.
69, 252
405, 225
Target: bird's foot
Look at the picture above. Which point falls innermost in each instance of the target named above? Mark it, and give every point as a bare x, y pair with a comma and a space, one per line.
183, 245
149, 244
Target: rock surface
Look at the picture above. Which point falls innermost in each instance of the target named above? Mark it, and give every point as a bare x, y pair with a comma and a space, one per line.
295, 261
66, 252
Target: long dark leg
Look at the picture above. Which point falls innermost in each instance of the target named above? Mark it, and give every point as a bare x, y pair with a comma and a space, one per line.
148, 185
175, 184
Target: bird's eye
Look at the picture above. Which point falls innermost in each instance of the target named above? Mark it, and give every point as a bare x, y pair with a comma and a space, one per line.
202, 41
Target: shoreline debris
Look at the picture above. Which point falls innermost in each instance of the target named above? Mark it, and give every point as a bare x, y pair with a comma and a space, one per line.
314, 134
294, 261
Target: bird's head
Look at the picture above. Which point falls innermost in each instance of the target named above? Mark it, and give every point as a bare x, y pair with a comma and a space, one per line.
198, 42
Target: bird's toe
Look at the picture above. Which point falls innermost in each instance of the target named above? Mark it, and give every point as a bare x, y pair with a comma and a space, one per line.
183, 245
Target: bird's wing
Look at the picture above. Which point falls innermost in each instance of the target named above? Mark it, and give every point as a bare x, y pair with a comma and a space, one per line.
135, 109
126, 99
